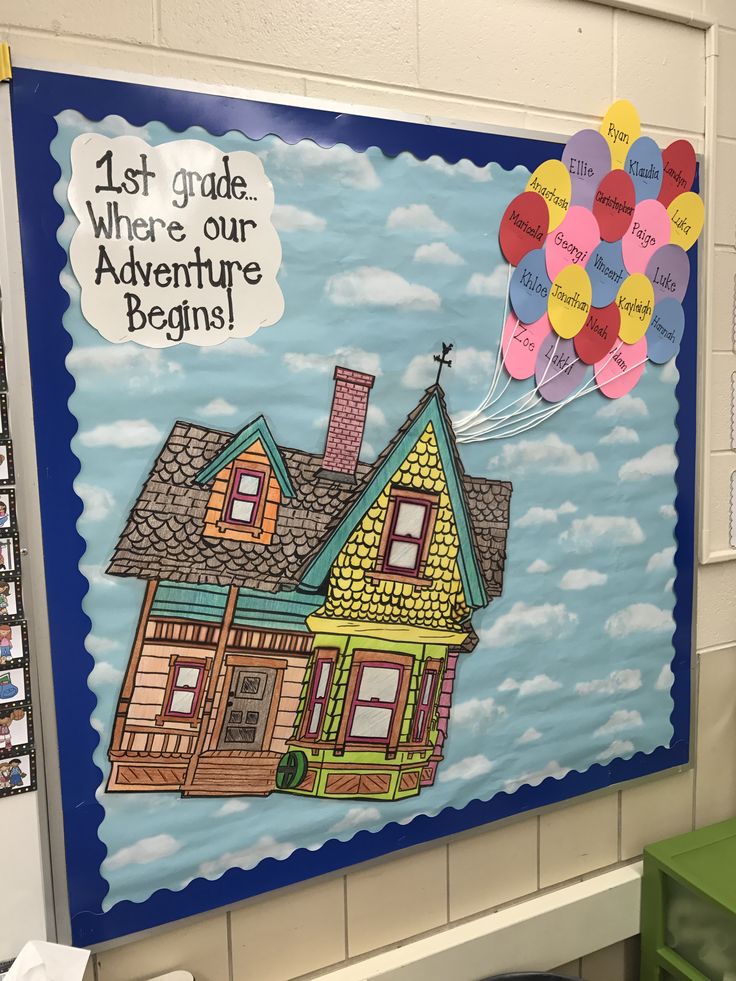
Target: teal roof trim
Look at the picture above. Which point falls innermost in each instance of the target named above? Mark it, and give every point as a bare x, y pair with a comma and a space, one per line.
470, 573
189, 601
256, 430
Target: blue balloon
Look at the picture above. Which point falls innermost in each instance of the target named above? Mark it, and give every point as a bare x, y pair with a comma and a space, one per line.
607, 272
644, 166
665, 331
530, 286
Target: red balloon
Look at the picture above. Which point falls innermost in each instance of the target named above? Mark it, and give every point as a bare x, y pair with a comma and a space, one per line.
613, 205
598, 334
524, 226
679, 170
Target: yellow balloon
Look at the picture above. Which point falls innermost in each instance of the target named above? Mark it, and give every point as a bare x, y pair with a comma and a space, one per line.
620, 127
551, 180
687, 214
635, 301
569, 301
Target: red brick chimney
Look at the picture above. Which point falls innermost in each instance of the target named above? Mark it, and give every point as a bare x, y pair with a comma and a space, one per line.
347, 423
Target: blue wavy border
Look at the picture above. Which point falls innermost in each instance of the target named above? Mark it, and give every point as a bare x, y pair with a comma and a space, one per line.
36, 97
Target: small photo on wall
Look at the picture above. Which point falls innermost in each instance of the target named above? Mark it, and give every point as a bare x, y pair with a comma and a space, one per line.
16, 727
14, 686
17, 773
8, 556
7, 471
11, 600
8, 523
13, 642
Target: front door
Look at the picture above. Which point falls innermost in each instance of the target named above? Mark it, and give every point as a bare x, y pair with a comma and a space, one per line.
248, 708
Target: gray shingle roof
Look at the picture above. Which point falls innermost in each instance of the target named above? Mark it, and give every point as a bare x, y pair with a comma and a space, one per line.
163, 539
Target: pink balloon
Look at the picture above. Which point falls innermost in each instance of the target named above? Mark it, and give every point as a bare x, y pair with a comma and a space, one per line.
521, 343
649, 230
620, 370
572, 242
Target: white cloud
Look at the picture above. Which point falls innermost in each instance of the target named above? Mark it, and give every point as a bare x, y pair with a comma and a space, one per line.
438, 254
217, 407
526, 622
472, 365
628, 407
670, 375
548, 455
96, 575
370, 286
306, 161
661, 560
232, 807
583, 579
618, 720
464, 168
538, 566
627, 679
132, 361
669, 585
668, 511
587, 534
477, 712
246, 858
124, 434
375, 416
104, 673
100, 645
349, 357
545, 516
658, 462
142, 852
665, 679
529, 736
494, 284
233, 347
98, 501
639, 618
537, 685
418, 218
356, 817
287, 218
552, 769
467, 769
619, 747
619, 436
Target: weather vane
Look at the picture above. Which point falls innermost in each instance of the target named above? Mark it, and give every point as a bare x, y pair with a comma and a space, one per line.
441, 360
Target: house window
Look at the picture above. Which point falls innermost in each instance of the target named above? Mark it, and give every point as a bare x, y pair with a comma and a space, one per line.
407, 533
245, 497
423, 710
184, 690
375, 702
318, 696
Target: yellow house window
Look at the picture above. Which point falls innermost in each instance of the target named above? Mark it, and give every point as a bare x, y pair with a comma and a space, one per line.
407, 533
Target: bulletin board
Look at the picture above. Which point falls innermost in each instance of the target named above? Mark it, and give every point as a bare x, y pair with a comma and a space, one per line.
329, 572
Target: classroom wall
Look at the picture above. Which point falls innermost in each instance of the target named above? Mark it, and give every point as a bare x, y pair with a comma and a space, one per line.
553, 65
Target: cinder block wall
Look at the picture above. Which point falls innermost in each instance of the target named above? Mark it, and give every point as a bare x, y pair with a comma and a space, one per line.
546, 64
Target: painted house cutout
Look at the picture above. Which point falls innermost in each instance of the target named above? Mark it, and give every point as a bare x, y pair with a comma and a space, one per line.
303, 614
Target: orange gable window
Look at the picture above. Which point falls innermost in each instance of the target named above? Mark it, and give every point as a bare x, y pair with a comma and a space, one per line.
246, 495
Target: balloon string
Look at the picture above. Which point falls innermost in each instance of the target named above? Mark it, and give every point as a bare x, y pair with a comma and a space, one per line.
531, 421
486, 401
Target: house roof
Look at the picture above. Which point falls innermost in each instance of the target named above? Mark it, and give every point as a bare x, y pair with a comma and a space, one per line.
163, 536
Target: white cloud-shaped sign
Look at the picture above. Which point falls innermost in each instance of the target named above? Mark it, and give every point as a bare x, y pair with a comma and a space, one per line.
175, 243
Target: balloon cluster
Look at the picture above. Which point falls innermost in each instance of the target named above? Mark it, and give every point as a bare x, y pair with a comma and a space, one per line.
599, 243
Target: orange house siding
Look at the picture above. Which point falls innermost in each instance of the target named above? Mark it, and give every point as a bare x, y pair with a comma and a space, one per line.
214, 525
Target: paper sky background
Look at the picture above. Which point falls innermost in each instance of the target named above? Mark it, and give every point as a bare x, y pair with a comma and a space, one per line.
382, 260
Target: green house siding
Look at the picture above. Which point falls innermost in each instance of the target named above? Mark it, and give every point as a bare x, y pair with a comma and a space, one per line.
371, 760
269, 611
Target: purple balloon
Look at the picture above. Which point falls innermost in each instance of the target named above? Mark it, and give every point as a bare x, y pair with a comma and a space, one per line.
669, 273
559, 371
588, 158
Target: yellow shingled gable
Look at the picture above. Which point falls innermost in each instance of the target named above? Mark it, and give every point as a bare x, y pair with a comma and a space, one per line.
356, 589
